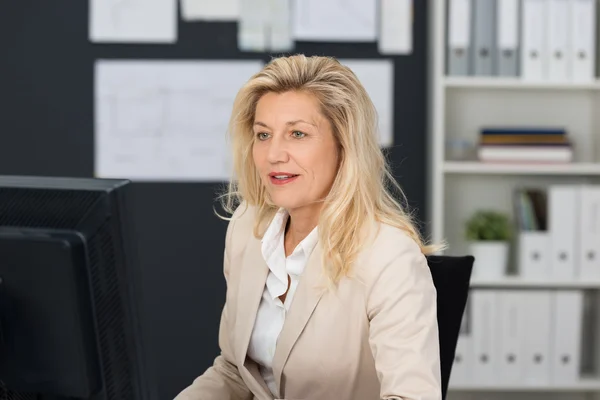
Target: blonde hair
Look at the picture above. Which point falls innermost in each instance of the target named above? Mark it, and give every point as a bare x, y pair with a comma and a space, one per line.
363, 190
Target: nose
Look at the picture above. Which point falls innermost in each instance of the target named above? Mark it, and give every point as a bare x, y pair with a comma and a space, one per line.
277, 150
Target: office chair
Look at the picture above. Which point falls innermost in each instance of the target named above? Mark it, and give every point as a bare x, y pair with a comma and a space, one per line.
451, 277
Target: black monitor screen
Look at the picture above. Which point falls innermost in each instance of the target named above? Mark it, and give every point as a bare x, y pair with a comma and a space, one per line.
70, 326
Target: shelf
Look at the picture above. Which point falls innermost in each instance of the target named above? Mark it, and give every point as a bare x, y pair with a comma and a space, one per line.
591, 385
516, 83
518, 282
479, 168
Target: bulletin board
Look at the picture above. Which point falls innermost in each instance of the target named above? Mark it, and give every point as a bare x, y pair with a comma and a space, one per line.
47, 129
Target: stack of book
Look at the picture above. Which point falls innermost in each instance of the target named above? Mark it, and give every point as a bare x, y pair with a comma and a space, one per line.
524, 145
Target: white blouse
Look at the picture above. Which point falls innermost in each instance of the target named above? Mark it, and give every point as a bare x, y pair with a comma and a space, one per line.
272, 311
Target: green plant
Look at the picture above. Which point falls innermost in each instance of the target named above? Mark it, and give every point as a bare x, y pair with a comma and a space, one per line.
488, 225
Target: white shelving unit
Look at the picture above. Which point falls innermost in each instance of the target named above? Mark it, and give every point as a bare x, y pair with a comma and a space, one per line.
458, 108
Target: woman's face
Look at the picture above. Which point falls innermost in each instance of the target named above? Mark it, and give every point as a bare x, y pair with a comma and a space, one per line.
294, 149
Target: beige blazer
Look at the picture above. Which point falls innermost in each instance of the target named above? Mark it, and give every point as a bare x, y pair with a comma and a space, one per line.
374, 337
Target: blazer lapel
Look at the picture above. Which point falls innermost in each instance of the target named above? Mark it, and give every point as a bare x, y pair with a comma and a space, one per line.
308, 294
252, 284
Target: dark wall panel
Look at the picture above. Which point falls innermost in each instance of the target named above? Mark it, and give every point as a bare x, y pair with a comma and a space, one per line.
47, 128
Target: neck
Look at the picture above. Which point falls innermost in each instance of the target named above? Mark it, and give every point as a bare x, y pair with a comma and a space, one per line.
302, 221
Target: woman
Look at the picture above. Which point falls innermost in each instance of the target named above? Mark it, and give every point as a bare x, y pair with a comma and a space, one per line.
329, 295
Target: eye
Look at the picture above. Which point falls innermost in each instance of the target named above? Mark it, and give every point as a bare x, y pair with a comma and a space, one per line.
262, 136
298, 134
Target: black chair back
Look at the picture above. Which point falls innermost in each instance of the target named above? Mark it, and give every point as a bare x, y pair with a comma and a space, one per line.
451, 277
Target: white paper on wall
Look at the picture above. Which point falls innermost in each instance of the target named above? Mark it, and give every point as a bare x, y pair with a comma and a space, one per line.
166, 120
280, 21
253, 26
377, 76
145, 21
335, 20
265, 25
210, 10
396, 27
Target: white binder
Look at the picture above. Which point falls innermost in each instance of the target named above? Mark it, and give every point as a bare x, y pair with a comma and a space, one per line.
533, 252
537, 306
558, 34
533, 40
583, 40
461, 372
589, 233
507, 37
461, 368
563, 221
459, 37
485, 337
511, 320
566, 332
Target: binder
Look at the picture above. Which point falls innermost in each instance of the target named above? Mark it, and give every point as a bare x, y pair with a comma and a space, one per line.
484, 28
589, 233
596, 57
583, 39
563, 221
537, 308
558, 34
567, 326
534, 255
485, 336
589, 336
459, 37
461, 371
533, 42
512, 329
507, 38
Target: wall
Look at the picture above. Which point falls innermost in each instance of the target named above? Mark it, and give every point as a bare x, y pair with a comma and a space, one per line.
47, 128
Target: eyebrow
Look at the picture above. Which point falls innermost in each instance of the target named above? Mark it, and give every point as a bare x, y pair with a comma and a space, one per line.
289, 123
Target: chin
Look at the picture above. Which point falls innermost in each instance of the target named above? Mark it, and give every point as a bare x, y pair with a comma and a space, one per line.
287, 202
288, 205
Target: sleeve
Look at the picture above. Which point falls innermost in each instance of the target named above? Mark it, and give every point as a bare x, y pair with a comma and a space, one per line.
222, 380
403, 332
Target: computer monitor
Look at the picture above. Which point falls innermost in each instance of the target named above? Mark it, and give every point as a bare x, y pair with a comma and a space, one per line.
70, 321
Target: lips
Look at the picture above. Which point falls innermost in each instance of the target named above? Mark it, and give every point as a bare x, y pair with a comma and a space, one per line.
282, 178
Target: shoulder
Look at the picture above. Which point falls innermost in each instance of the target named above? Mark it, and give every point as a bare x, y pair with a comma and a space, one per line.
386, 242
243, 217
390, 254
